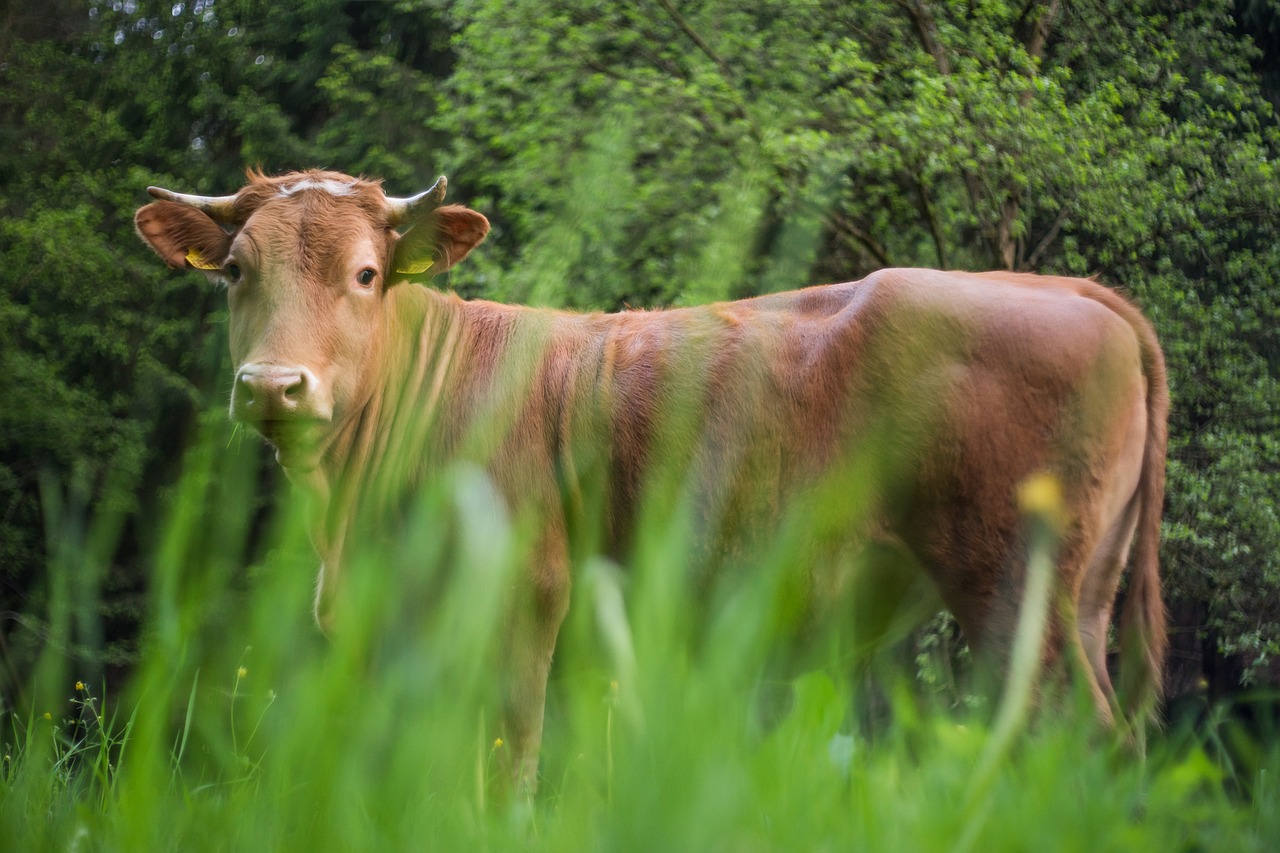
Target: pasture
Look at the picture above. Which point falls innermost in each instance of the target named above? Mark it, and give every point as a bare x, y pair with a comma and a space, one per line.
242, 729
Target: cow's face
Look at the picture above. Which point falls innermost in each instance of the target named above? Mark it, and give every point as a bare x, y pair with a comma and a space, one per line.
308, 260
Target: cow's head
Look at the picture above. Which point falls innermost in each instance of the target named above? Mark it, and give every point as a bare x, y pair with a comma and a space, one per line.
308, 260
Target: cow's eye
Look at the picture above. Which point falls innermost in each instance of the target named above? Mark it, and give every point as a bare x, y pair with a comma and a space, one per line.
366, 276
233, 271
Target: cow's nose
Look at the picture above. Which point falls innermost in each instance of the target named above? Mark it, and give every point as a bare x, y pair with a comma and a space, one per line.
268, 392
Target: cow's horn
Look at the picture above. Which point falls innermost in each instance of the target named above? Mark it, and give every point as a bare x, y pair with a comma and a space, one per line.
221, 207
402, 210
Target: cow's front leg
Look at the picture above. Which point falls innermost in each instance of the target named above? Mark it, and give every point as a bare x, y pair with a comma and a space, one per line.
327, 584
539, 610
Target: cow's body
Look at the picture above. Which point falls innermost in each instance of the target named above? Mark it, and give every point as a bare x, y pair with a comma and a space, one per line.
915, 401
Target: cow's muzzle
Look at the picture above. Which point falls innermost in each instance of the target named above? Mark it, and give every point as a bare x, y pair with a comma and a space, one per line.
265, 394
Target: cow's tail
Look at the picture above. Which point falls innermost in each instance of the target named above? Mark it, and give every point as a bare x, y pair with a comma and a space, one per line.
1142, 630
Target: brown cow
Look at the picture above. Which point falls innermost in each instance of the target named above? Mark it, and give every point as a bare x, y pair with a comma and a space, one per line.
932, 394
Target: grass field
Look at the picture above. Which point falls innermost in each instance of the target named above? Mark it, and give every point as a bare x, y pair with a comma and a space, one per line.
244, 729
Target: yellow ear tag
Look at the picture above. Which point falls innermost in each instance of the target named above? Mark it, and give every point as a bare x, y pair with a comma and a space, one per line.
197, 260
417, 268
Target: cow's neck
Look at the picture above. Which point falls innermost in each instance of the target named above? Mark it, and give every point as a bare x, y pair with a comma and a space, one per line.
385, 446
380, 450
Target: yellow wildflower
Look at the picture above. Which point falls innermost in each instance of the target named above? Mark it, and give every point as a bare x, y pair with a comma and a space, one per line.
1041, 495
79, 685
241, 672
497, 743
48, 716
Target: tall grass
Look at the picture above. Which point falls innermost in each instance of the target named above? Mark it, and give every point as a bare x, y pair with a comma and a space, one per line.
242, 729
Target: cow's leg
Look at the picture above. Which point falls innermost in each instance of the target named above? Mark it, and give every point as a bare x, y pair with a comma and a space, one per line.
1088, 566
1075, 641
1112, 505
988, 627
539, 610
872, 596
890, 596
1097, 598
988, 604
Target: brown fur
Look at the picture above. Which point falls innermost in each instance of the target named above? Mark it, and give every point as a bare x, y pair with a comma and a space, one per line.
903, 411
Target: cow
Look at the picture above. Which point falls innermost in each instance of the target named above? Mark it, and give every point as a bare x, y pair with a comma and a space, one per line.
934, 395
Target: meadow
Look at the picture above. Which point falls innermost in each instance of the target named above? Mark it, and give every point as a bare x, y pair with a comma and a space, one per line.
243, 729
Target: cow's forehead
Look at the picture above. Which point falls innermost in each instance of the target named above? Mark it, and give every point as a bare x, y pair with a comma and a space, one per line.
316, 229
314, 192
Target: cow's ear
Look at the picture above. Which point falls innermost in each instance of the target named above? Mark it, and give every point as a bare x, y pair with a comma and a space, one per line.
442, 239
185, 238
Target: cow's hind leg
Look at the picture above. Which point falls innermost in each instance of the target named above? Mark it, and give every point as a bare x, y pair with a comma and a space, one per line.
1096, 600
991, 616
1088, 563
1109, 508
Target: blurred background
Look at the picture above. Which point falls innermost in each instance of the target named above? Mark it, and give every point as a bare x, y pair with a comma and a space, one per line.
634, 154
